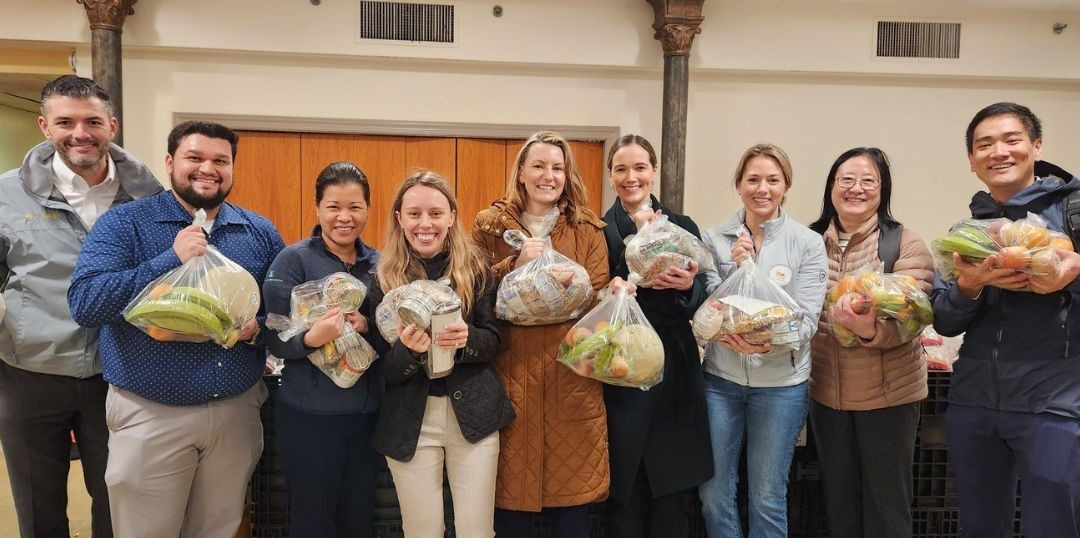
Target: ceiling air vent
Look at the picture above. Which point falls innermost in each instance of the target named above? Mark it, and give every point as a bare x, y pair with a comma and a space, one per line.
899, 39
400, 21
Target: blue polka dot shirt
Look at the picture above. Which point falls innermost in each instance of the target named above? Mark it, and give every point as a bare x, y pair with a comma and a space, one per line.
130, 246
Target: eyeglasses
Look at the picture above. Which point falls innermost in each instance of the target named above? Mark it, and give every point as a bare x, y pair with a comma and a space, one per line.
867, 184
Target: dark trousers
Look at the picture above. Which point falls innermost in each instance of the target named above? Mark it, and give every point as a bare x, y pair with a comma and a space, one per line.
38, 412
330, 469
990, 449
865, 459
641, 515
566, 522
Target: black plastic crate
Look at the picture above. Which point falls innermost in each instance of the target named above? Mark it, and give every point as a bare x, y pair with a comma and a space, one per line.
270, 531
934, 485
937, 398
270, 502
934, 522
388, 529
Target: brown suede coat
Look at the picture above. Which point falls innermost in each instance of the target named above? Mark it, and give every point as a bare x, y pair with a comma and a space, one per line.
556, 452
888, 370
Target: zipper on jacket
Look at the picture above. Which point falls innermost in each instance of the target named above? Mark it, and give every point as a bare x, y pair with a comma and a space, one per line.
994, 355
1066, 338
746, 368
1065, 299
836, 346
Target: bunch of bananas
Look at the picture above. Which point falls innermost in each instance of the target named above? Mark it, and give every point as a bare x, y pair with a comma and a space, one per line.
186, 314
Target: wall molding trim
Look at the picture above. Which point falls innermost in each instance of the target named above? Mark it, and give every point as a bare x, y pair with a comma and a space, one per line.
396, 128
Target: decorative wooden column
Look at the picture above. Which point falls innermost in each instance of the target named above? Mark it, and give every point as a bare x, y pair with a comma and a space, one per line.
676, 23
106, 24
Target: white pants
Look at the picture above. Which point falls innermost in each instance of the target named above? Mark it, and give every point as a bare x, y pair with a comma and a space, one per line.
181, 470
469, 467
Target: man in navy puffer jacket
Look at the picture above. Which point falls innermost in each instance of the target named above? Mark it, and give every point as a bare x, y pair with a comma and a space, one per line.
1014, 400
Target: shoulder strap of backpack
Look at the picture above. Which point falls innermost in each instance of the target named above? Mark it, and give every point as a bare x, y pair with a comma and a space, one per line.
1071, 217
889, 244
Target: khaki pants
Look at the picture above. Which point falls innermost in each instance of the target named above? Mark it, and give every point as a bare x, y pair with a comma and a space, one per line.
469, 467
181, 470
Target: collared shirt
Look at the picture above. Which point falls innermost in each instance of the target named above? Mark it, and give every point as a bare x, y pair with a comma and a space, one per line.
88, 202
130, 247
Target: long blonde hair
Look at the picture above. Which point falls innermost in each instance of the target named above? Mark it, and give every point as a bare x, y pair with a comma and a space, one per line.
574, 194
399, 264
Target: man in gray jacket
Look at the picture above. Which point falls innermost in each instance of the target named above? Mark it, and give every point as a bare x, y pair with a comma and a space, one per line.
50, 376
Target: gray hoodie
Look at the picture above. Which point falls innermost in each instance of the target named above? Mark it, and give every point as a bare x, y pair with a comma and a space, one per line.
795, 257
40, 239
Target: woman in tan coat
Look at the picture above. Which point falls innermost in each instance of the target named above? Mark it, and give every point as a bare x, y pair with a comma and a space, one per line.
865, 399
554, 456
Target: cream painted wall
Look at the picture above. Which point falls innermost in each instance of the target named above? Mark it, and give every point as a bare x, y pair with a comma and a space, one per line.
920, 127
796, 72
18, 133
771, 35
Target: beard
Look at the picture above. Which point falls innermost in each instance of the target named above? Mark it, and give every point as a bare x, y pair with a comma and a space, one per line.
187, 193
78, 162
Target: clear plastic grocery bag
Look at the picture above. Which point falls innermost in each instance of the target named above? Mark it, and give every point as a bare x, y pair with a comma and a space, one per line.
894, 296
348, 356
661, 244
209, 297
1025, 245
429, 305
940, 351
550, 289
750, 304
615, 343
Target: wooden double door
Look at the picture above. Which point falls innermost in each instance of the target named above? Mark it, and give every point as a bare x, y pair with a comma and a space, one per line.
275, 173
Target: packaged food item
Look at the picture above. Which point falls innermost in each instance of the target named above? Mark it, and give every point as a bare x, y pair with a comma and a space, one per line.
750, 304
615, 343
893, 296
429, 305
208, 298
440, 361
348, 356
550, 289
1025, 245
940, 351
661, 244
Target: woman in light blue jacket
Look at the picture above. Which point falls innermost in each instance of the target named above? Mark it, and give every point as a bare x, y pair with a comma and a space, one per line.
754, 392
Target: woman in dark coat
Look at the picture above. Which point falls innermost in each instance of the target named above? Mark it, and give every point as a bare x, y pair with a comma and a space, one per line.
660, 447
431, 425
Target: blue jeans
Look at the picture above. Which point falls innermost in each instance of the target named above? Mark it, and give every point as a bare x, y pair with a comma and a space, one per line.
770, 418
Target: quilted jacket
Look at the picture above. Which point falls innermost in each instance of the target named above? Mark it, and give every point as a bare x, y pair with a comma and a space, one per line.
888, 370
556, 452
478, 399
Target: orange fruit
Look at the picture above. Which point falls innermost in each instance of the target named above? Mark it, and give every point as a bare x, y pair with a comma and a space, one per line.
1060, 240
158, 291
1036, 237
845, 286
909, 280
159, 334
1014, 257
1044, 263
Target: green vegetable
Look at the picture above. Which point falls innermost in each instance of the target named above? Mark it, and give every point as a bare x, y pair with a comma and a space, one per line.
592, 345
963, 245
